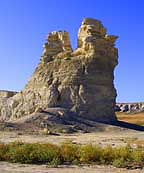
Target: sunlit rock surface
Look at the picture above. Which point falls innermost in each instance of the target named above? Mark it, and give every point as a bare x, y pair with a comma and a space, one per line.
79, 81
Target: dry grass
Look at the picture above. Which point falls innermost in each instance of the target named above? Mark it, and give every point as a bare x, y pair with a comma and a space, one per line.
131, 118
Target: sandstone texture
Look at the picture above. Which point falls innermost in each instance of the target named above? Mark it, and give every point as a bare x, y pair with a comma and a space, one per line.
78, 82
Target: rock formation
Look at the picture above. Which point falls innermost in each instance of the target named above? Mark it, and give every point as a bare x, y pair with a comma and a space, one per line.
6, 94
79, 81
130, 107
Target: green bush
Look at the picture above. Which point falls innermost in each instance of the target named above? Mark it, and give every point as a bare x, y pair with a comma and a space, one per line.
33, 153
3, 152
107, 156
53, 155
54, 162
123, 152
128, 157
119, 163
137, 157
90, 153
69, 152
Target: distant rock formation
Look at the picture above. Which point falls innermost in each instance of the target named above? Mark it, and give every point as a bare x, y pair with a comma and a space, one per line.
80, 81
129, 107
6, 94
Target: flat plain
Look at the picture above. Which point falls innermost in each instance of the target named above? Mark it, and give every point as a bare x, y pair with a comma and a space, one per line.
113, 136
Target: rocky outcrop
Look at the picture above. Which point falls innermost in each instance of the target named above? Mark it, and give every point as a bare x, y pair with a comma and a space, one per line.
129, 107
6, 94
79, 81
56, 42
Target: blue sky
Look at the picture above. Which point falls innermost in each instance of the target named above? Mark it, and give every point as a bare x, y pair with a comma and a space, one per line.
24, 25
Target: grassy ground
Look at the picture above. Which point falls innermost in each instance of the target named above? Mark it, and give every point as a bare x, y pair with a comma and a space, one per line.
137, 118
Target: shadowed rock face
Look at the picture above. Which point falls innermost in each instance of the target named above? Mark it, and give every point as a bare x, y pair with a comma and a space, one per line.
80, 81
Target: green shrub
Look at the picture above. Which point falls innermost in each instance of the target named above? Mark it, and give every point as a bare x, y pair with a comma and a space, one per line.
128, 157
90, 153
137, 157
20, 154
69, 152
33, 153
107, 156
45, 153
123, 152
54, 162
54, 155
3, 152
119, 163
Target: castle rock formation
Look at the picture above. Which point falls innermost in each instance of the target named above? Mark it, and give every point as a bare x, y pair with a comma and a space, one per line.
79, 81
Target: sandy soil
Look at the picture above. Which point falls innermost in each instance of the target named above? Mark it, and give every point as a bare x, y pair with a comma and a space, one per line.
18, 168
100, 138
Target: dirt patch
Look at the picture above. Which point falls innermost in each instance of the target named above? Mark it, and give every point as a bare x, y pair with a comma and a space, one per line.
115, 138
24, 168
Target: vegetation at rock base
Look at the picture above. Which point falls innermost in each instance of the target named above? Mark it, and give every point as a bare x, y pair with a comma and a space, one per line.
68, 153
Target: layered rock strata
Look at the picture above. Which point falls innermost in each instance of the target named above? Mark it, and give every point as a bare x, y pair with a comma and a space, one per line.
130, 107
79, 81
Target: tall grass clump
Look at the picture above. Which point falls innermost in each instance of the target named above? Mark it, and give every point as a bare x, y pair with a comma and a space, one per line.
107, 155
32, 153
69, 152
90, 154
128, 157
3, 151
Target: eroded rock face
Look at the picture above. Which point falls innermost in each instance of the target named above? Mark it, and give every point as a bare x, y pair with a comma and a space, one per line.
80, 81
56, 42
